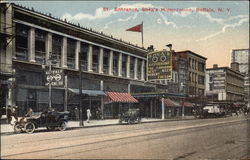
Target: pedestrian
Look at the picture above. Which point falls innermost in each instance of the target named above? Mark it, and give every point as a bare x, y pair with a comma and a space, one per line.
29, 113
76, 113
88, 115
9, 118
14, 112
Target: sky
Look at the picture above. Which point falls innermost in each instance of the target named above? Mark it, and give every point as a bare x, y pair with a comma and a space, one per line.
209, 28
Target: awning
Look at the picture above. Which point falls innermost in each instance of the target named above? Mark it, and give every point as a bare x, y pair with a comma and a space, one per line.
88, 92
188, 104
171, 103
119, 97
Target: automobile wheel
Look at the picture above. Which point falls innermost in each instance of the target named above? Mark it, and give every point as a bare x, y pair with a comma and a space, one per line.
17, 128
62, 126
49, 128
139, 120
129, 121
29, 127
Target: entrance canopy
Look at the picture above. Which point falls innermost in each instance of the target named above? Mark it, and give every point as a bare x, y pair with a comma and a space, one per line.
119, 98
88, 92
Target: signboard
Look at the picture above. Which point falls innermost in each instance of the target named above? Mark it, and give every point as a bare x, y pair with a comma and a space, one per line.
159, 65
55, 77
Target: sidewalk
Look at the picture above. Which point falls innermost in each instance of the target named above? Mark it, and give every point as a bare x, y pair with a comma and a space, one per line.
7, 128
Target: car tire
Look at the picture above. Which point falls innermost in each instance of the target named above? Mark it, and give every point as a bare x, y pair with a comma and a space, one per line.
62, 126
129, 121
17, 128
49, 128
29, 127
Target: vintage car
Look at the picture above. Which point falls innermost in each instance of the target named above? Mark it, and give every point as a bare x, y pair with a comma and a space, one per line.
131, 116
50, 119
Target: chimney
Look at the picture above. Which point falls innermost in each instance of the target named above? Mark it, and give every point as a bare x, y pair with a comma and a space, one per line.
215, 66
235, 66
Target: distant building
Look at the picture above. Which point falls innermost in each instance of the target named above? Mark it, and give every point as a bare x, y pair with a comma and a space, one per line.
224, 84
192, 73
242, 57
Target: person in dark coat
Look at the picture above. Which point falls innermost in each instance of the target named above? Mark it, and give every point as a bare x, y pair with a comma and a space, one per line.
9, 118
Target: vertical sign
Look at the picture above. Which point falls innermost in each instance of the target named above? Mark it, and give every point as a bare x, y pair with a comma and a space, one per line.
55, 77
159, 65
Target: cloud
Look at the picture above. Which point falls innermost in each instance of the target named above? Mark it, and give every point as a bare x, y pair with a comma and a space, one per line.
174, 25
159, 21
99, 14
128, 18
224, 28
165, 20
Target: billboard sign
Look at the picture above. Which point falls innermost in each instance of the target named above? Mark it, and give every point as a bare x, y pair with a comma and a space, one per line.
55, 77
159, 65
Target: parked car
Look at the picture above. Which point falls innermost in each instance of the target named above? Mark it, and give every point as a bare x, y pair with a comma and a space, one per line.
213, 111
131, 116
52, 120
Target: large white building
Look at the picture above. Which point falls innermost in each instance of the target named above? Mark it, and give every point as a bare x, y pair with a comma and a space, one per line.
242, 57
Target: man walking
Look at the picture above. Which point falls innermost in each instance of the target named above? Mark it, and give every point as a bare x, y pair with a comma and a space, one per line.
88, 115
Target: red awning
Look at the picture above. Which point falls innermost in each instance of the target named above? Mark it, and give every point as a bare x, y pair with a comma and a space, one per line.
188, 104
119, 97
171, 103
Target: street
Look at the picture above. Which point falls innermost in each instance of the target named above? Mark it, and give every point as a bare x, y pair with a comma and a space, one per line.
221, 138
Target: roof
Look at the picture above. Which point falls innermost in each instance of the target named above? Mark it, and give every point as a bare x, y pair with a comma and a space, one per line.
188, 51
117, 97
226, 68
77, 26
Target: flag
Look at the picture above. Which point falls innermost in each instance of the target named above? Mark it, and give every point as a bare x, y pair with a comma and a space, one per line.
137, 28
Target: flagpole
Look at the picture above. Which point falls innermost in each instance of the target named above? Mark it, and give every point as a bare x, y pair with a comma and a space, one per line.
142, 33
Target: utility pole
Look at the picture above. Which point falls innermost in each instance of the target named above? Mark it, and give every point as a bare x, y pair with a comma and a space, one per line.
80, 91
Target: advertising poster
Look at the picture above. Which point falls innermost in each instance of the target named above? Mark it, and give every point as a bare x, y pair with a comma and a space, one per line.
124, 80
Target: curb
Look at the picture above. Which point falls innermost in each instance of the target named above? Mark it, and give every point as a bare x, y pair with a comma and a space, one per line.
112, 124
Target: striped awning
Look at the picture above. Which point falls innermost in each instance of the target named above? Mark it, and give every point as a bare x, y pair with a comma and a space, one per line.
188, 104
119, 98
170, 103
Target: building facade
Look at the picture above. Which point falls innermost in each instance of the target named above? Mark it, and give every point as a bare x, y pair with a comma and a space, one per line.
192, 73
242, 57
224, 84
32, 40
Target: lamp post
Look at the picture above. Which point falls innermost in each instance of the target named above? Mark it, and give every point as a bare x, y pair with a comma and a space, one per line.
50, 95
49, 63
80, 91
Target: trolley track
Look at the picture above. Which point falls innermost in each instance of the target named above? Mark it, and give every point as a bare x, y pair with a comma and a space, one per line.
112, 141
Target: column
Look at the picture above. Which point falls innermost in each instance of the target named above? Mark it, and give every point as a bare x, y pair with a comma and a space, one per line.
100, 63
48, 47
142, 70
111, 63
31, 45
120, 65
135, 68
90, 58
64, 52
78, 44
162, 109
128, 66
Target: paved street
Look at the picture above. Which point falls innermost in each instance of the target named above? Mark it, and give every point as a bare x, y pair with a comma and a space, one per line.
223, 138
